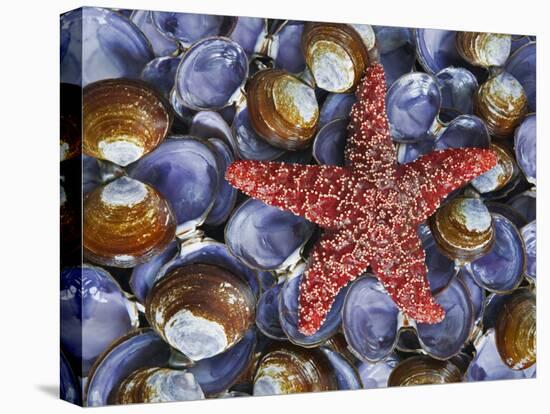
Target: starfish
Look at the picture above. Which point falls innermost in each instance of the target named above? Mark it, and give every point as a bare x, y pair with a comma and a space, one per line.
369, 209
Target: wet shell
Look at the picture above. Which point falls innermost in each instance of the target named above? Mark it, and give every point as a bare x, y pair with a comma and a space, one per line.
421, 370
126, 222
123, 120
148, 385
463, 228
337, 54
501, 102
201, 310
283, 110
484, 49
516, 331
290, 369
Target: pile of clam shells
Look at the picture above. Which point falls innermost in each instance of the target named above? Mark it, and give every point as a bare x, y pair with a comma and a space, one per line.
189, 290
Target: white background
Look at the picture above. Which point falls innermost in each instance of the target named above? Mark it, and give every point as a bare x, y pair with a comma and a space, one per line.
29, 156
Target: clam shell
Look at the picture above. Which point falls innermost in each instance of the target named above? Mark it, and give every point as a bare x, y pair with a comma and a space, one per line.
123, 120
126, 222
501, 102
462, 132
162, 45
189, 308
500, 270
525, 145
330, 142
507, 211
286, 47
477, 294
397, 51
458, 86
336, 105
516, 330
529, 236
152, 385
248, 32
70, 121
410, 151
282, 109
463, 228
436, 49
525, 204
290, 369
522, 65
502, 178
375, 374
69, 388
160, 74
484, 49
267, 314
347, 375
421, 370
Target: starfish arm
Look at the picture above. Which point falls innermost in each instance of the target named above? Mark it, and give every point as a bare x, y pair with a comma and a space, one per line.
336, 260
369, 146
402, 270
311, 191
429, 179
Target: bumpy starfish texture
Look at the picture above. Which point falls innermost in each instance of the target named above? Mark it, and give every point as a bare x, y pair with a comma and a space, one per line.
369, 209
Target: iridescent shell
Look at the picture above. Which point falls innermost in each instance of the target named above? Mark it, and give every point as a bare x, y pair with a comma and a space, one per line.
70, 121
484, 49
162, 45
422, 370
525, 145
123, 120
291, 369
153, 385
282, 109
458, 86
525, 204
463, 131
501, 102
516, 330
126, 222
529, 235
502, 178
190, 305
397, 51
211, 74
463, 228
330, 142
523, 66
337, 54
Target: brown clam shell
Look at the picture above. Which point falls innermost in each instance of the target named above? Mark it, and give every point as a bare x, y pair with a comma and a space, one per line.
463, 228
501, 102
126, 222
283, 109
123, 120
336, 54
201, 310
484, 49
421, 370
506, 170
516, 330
288, 369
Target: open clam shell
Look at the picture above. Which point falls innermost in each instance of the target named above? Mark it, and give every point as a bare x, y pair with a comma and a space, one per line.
330, 142
529, 236
126, 222
264, 237
525, 145
211, 74
282, 109
522, 65
397, 51
162, 45
422, 370
123, 120
189, 308
484, 49
462, 132
501, 269
180, 167
267, 314
458, 86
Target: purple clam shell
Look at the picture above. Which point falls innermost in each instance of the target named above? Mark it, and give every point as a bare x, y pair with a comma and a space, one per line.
91, 173
397, 51
487, 365
464, 131
144, 275
115, 47
525, 204
335, 105
184, 114
248, 143
91, 301
161, 44
501, 269
518, 41
507, 211
436, 49
267, 314
248, 31
369, 320
408, 152
446, 338
296, 157
525, 145
265, 237
286, 49
522, 64
140, 349
187, 28
441, 269
267, 279
211, 73
458, 86
69, 387
412, 105
330, 142
185, 171
210, 124
160, 73
477, 294
493, 307
407, 340
529, 235
347, 375
226, 196
218, 373
288, 315
376, 374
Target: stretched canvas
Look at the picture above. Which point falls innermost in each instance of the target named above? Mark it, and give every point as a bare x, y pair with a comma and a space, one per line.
254, 206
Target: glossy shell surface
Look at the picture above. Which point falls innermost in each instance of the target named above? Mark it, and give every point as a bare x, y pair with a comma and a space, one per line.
484, 49
423, 370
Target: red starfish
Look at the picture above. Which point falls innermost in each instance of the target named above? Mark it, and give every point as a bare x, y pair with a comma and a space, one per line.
369, 210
